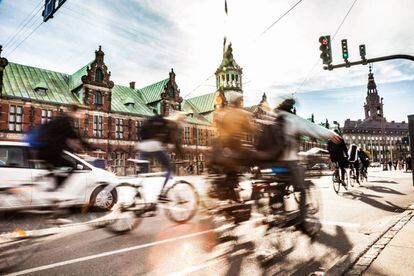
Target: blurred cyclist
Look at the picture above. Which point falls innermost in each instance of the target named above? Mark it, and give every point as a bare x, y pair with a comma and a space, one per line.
233, 125
50, 140
155, 133
339, 155
293, 127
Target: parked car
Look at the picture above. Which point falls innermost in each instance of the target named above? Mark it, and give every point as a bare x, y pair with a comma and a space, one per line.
320, 166
375, 164
87, 182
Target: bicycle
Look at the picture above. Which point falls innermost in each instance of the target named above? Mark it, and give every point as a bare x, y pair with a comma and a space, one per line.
18, 244
336, 179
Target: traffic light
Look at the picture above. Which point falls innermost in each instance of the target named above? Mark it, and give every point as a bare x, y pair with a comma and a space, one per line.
362, 51
405, 140
345, 53
326, 50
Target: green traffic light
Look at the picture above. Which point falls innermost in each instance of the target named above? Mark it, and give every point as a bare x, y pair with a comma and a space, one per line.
345, 55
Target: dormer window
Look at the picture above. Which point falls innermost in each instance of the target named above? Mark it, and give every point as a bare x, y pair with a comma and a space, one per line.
41, 88
99, 75
97, 100
129, 102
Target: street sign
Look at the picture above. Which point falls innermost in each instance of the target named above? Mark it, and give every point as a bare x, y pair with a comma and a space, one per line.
51, 6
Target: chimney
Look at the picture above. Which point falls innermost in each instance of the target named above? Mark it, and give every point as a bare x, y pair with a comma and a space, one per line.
132, 84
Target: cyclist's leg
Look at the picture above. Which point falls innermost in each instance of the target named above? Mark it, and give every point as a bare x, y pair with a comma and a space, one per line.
357, 171
166, 163
297, 178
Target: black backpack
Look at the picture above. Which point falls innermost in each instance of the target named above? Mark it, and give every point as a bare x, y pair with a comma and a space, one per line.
271, 140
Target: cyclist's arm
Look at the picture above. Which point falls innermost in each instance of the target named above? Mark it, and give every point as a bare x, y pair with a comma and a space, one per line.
308, 128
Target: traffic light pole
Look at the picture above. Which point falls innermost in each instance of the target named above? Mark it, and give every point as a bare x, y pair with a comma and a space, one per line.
366, 61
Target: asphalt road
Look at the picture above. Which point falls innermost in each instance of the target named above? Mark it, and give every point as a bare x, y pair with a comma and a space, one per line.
160, 247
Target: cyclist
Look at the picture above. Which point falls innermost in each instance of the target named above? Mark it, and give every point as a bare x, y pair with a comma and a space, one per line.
155, 133
50, 140
364, 158
233, 125
353, 159
339, 155
293, 127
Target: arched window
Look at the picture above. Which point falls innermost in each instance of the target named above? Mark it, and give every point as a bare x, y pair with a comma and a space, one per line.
98, 98
99, 75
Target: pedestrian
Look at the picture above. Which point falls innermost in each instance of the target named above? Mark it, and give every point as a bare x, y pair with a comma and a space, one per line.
408, 164
395, 165
390, 165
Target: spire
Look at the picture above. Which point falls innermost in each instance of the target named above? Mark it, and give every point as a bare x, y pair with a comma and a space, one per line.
371, 86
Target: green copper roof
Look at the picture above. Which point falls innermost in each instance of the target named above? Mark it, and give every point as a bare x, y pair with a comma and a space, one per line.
75, 80
21, 80
152, 93
122, 95
252, 108
203, 103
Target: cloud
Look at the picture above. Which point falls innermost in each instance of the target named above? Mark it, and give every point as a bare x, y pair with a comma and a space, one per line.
143, 40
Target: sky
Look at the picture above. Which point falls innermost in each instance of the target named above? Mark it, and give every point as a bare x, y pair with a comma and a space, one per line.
143, 40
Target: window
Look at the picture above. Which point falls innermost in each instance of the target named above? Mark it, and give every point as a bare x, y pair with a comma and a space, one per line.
119, 128
15, 118
99, 75
187, 135
119, 158
97, 126
13, 157
46, 116
138, 125
97, 98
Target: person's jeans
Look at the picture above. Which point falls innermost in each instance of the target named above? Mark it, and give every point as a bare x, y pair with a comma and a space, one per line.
164, 159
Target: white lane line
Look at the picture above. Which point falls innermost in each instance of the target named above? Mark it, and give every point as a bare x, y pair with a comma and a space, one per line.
105, 254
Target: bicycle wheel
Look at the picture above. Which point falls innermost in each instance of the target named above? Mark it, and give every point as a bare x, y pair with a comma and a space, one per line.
336, 182
183, 201
127, 215
346, 180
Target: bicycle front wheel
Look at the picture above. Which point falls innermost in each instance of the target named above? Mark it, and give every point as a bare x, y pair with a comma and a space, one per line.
183, 201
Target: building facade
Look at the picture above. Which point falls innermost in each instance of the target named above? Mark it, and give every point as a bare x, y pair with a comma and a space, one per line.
385, 140
114, 113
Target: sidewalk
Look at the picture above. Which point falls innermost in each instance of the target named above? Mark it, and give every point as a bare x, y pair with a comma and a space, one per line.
397, 258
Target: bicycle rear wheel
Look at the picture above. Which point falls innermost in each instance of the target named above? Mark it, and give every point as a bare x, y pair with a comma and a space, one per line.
183, 201
127, 215
352, 178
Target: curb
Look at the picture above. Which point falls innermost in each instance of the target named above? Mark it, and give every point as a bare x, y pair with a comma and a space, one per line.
361, 256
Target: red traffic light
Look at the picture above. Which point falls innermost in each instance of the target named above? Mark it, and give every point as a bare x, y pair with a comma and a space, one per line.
324, 41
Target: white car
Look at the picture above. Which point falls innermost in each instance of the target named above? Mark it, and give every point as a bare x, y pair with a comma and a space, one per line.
86, 184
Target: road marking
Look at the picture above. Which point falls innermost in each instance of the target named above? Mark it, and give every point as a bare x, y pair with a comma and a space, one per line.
105, 254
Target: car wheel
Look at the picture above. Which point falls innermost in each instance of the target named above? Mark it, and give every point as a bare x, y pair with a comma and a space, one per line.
103, 200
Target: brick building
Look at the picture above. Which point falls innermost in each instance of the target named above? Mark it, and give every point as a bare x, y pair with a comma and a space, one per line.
31, 96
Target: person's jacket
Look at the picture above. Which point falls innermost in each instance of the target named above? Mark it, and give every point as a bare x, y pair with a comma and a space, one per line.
55, 134
162, 130
338, 152
353, 153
